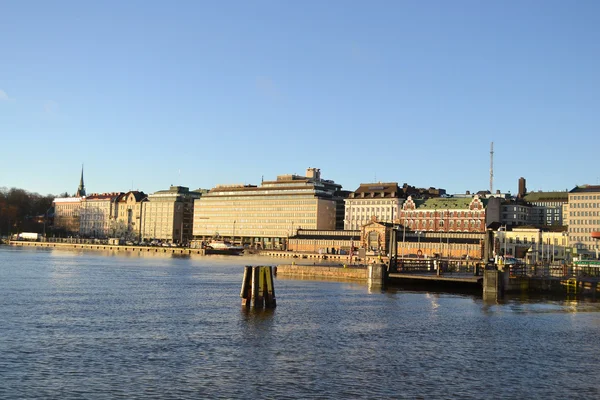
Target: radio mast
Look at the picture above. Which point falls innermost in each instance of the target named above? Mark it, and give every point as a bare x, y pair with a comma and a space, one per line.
492, 168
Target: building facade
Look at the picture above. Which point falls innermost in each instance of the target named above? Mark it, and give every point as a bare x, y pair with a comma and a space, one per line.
380, 200
266, 216
449, 214
516, 213
67, 215
167, 215
546, 207
67, 211
584, 220
97, 215
129, 213
533, 245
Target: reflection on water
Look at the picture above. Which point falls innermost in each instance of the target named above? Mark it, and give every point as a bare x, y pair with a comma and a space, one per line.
87, 325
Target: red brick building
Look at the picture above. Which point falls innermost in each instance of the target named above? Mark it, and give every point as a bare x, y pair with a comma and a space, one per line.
471, 214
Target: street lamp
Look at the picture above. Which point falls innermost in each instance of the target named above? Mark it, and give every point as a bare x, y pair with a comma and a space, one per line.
419, 242
403, 237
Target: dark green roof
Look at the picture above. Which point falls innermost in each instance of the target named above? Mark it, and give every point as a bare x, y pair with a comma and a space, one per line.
546, 196
442, 203
585, 188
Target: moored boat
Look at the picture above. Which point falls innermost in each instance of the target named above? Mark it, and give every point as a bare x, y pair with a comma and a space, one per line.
223, 247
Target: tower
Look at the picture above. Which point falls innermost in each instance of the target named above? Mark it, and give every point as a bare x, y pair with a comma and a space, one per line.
81, 188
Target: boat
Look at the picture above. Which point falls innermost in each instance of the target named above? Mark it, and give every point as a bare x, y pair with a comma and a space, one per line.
223, 247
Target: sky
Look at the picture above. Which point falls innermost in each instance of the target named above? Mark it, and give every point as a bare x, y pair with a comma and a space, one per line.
148, 94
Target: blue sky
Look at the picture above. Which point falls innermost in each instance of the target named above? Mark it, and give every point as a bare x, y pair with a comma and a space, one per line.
147, 94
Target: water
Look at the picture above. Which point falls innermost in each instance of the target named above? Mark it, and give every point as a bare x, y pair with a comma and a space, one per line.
94, 325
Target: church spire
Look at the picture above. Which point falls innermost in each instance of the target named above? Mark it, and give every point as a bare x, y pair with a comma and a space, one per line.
81, 188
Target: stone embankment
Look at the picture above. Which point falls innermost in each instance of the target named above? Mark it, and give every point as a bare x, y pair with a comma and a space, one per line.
110, 247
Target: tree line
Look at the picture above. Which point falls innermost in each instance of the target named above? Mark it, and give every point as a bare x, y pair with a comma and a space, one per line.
23, 211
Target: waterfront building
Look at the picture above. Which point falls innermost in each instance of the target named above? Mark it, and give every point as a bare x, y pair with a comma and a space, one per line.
325, 241
66, 215
533, 244
379, 200
546, 207
448, 214
129, 212
266, 216
373, 238
67, 211
584, 219
97, 215
168, 215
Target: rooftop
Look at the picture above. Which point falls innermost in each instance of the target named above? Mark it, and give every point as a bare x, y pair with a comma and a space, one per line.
585, 188
546, 196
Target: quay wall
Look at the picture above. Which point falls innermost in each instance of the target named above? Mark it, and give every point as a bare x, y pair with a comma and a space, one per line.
324, 271
341, 258
575, 285
110, 247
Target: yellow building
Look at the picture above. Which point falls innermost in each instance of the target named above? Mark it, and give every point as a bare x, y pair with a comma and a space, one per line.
265, 216
533, 245
167, 215
584, 219
129, 212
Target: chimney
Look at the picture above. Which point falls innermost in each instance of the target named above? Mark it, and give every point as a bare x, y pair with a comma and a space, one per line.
314, 173
522, 188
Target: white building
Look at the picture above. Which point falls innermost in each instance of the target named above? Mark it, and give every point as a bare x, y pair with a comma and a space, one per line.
98, 214
382, 201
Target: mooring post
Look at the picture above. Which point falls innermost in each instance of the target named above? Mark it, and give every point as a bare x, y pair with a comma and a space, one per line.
258, 289
376, 275
493, 284
246, 293
257, 298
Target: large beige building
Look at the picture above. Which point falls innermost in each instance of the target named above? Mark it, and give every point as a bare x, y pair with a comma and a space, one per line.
167, 215
97, 215
584, 220
380, 200
265, 216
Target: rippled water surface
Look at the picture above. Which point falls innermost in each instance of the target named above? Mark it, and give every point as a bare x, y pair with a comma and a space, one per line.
99, 325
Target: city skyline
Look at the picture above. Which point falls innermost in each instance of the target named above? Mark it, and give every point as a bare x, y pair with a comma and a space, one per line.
149, 95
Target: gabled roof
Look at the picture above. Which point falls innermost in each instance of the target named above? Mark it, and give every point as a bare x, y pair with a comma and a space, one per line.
379, 189
139, 196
